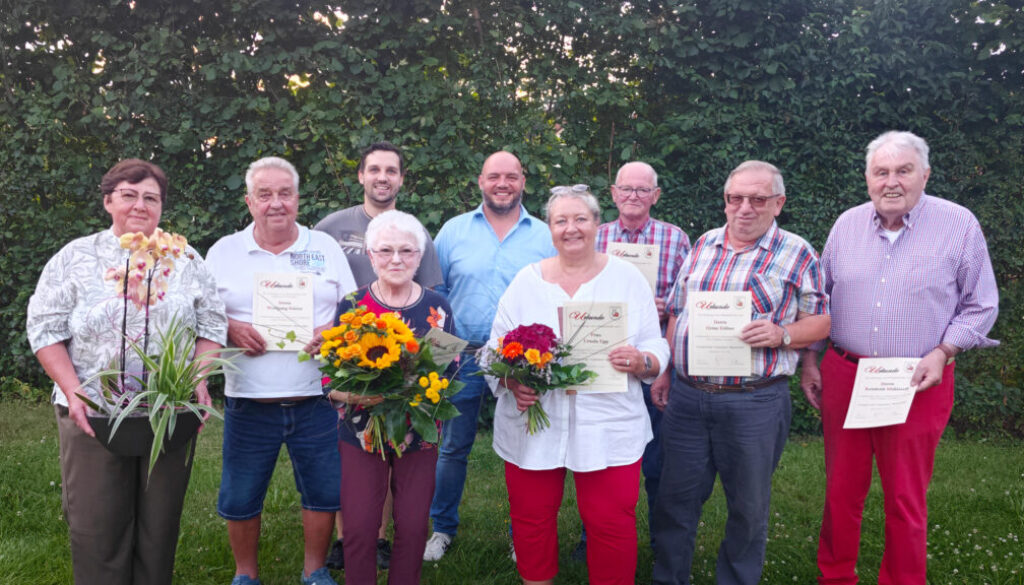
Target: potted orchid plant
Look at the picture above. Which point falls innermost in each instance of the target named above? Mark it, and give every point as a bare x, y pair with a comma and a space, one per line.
154, 407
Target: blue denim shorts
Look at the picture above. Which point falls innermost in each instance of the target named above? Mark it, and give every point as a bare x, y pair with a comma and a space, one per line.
253, 435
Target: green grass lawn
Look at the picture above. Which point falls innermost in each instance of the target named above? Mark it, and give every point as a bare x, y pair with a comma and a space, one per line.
975, 525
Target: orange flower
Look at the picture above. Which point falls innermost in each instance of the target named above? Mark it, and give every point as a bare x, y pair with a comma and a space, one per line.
545, 358
412, 346
512, 350
368, 318
351, 336
346, 317
381, 324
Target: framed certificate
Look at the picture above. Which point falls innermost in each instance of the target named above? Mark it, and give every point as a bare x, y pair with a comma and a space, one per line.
715, 321
282, 309
593, 329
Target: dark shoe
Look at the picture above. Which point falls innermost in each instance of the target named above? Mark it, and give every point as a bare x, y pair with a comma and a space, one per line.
336, 556
383, 553
579, 554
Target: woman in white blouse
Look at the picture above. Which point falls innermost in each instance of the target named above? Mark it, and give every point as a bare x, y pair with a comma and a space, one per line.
600, 437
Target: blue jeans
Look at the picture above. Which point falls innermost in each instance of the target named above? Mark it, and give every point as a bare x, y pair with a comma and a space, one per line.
457, 436
253, 435
739, 437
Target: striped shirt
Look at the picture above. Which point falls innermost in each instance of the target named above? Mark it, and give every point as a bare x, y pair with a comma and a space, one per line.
933, 284
671, 241
783, 275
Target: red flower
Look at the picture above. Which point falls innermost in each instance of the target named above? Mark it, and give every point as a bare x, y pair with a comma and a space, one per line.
535, 336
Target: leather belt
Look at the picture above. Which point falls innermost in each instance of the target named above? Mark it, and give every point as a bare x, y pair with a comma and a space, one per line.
848, 356
727, 388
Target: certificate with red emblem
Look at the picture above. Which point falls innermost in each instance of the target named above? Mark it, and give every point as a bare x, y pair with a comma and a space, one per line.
882, 393
593, 329
643, 256
282, 309
715, 321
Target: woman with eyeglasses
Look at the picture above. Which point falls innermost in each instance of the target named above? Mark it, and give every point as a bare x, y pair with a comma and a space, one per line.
600, 437
123, 523
395, 243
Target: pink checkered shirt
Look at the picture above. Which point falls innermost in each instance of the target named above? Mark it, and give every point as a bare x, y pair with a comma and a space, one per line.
933, 284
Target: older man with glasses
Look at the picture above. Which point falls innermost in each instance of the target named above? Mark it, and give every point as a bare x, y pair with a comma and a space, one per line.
733, 423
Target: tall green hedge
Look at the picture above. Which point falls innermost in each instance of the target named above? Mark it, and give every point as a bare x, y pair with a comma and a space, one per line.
574, 87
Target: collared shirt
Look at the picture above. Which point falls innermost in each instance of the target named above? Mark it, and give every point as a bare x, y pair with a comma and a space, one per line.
76, 304
933, 284
782, 273
477, 267
671, 241
234, 261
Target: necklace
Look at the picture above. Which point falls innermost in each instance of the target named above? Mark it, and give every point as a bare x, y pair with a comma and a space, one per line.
383, 298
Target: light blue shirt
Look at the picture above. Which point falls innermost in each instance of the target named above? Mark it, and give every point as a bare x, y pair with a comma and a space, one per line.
477, 267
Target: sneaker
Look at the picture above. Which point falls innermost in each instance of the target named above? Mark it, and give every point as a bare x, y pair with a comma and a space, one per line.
579, 554
383, 553
436, 546
244, 580
336, 556
319, 577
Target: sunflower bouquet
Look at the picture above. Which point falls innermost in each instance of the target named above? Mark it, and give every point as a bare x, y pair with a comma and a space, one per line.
532, 355
372, 355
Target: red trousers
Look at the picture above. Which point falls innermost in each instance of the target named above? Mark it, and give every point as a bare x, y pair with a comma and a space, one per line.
607, 503
904, 454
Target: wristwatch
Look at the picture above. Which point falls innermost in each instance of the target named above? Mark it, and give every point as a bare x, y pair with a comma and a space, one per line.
786, 339
648, 363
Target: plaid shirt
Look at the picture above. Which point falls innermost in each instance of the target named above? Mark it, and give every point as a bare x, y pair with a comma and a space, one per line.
782, 273
672, 242
933, 284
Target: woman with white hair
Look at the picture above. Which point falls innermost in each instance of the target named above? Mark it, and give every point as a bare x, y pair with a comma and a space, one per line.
395, 243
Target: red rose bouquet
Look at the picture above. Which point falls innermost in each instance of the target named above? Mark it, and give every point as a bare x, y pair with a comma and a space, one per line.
532, 355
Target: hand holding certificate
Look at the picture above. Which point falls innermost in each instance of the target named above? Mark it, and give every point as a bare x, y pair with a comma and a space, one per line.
882, 393
282, 309
716, 319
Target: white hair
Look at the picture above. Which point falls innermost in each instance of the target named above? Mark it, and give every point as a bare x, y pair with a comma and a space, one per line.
641, 164
900, 141
399, 221
270, 162
778, 187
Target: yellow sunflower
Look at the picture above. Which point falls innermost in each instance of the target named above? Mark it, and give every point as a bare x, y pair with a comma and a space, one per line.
378, 352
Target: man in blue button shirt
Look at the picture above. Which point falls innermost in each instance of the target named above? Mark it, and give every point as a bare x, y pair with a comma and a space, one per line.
480, 252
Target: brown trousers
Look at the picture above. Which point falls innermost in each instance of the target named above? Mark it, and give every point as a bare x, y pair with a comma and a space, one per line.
123, 530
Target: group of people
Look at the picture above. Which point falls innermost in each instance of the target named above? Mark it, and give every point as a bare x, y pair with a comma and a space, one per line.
903, 275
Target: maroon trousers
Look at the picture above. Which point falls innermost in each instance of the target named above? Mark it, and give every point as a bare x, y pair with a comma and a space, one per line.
904, 454
364, 485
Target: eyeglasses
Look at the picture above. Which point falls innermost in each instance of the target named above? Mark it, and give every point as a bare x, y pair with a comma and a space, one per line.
132, 197
757, 201
641, 192
389, 253
580, 188
284, 196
